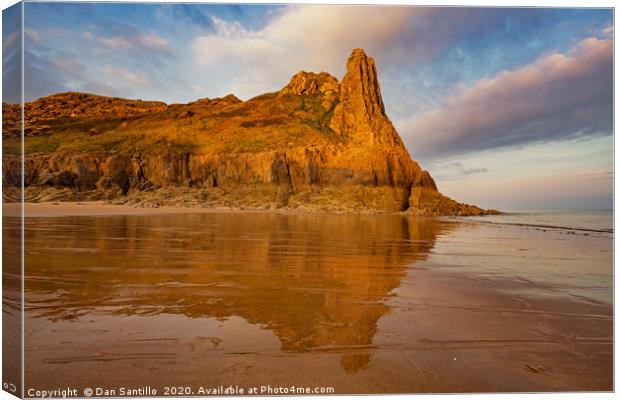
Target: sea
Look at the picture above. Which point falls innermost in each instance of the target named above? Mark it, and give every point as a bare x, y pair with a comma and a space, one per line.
592, 221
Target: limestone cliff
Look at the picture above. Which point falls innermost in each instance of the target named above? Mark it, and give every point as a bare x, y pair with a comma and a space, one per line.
317, 144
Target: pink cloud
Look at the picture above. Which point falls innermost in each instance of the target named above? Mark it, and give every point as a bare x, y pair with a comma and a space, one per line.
11, 39
128, 76
152, 41
558, 95
136, 42
116, 42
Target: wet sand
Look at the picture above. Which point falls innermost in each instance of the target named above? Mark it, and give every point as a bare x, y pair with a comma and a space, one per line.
365, 304
102, 208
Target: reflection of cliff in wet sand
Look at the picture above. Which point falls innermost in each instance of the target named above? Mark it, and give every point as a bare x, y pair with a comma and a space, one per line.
375, 304
319, 286
317, 144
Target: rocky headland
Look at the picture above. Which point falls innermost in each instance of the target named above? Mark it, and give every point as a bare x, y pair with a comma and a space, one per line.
316, 145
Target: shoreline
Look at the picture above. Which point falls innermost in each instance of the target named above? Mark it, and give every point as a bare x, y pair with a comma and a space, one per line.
103, 208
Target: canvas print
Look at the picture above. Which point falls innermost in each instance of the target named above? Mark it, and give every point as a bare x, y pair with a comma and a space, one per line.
297, 199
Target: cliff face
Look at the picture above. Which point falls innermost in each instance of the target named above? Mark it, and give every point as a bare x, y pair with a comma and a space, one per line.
315, 145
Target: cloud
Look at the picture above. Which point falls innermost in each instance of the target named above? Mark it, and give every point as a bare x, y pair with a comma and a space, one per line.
152, 41
182, 14
320, 38
557, 96
128, 76
131, 63
455, 170
69, 65
600, 175
33, 35
11, 39
540, 175
134, 42
60, 73
116, 42
11, 62
393, 34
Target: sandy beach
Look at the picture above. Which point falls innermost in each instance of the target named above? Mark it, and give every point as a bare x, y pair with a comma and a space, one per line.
360, 303
100, 208
103, 208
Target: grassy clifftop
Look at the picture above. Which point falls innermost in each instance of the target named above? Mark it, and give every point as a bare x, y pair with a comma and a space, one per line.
227, 125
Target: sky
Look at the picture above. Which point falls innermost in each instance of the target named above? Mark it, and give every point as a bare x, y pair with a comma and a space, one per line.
508, 108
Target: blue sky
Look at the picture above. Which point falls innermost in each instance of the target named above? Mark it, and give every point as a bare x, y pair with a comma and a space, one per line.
507, 107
